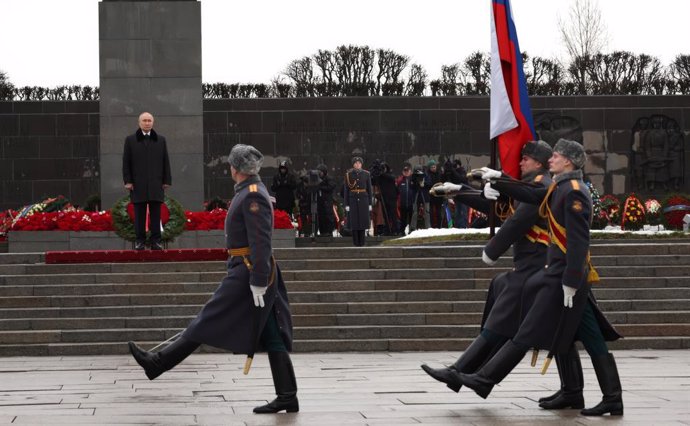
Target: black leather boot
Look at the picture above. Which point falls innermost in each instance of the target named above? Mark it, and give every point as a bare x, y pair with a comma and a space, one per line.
473, 357
156, 363
285, 384
495, 370
610, 384
572, 382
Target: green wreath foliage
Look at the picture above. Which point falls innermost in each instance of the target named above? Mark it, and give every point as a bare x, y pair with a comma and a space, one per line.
125, 228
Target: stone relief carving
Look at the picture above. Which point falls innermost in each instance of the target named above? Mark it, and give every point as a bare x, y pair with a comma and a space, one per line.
551, 127
658, 153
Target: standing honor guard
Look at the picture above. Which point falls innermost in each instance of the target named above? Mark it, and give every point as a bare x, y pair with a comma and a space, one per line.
558, 306
358, 199
527, 234
249, 310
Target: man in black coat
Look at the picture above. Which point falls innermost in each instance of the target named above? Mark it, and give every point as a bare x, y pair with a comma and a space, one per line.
230, 319
146, 174
324, 202
283, 186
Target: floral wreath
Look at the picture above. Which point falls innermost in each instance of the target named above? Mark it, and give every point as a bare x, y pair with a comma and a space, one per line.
610, 208
172, 227
675, 208
633, 214
653, 211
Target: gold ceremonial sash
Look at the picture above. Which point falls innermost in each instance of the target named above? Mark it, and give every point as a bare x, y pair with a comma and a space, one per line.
558, 234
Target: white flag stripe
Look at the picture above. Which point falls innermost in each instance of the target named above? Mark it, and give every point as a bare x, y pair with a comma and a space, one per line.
501, 112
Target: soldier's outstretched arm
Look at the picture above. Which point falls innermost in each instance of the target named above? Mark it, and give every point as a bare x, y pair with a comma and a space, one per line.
517, 190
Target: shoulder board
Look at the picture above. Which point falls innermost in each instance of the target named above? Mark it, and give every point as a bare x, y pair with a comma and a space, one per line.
575, 184
538, 178
253, 187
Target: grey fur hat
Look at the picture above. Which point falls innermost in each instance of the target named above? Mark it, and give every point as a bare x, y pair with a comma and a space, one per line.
356, 159
246, 159
573, 151
539, 151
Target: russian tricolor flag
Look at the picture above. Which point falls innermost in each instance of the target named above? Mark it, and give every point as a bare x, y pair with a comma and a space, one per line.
511, 116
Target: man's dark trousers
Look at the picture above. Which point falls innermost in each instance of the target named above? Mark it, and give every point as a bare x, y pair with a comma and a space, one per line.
154, 221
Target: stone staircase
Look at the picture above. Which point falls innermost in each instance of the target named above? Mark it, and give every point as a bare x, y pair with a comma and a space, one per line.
343, 298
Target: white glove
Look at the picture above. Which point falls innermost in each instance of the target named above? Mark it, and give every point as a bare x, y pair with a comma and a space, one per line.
568, 293
488, 173
347, 208
489, 261
369, 207
490, 193
258, 293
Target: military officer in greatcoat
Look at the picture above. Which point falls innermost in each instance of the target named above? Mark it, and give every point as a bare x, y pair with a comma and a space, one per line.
525, 231
557, 304
253, 283
358, 198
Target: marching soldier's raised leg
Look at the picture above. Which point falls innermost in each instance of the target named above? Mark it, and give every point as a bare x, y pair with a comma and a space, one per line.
157, 363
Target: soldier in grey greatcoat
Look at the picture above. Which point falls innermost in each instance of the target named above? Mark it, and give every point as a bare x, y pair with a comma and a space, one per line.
557, 304
358, 199
253, 283
525, 231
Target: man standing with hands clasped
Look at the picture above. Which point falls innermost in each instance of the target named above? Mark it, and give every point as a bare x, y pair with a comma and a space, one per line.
146, 174
230, 319
358, 200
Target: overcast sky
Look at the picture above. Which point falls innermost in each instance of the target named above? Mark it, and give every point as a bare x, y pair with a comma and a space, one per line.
54, 42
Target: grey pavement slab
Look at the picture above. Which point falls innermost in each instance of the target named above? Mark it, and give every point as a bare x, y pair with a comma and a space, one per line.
334, 389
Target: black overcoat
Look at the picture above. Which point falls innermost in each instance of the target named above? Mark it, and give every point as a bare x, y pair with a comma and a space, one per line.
358, 196
542, 296
502, 311
227, 320
146, 165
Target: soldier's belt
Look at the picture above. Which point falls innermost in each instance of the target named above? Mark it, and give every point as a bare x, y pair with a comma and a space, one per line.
244, 252
358, 191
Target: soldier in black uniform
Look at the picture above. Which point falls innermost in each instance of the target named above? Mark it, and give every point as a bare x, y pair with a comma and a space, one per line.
284, 186
358, 200
526, 232
558, 306
324, 202
253, 282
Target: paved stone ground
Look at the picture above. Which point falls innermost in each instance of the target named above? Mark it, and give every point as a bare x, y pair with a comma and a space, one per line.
335, 389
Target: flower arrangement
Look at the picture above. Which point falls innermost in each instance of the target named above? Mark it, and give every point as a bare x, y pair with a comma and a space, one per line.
70, 220
205, 220
281, 220
653, 211
674, 209
633, 217
599, 221
610, 209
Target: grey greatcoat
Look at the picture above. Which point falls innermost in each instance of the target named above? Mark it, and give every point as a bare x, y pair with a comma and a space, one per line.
521, 230
146, 165
542, 301
227, 320
358, 196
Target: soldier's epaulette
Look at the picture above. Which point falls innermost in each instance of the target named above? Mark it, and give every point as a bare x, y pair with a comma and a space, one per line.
575, 184
253, 187
538, 178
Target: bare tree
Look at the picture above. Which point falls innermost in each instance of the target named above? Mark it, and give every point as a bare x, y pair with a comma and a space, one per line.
390, 65
477, 70
584, 34
6, 88
417, 80
679, 73
301, 72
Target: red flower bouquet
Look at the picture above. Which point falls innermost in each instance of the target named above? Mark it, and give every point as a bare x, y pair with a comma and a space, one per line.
675, 208
633, 214
281, 220
205, 221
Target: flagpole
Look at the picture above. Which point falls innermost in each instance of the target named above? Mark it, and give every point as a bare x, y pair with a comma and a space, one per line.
492, 204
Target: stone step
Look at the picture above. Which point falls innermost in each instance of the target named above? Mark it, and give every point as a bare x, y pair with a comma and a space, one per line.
368, 332
401, 296
461, 249
315, 286
319, 264
350, 345
344, 320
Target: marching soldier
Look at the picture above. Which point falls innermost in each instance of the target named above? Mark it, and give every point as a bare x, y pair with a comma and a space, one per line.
527, 234
565, 280
358, 200
253, 284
